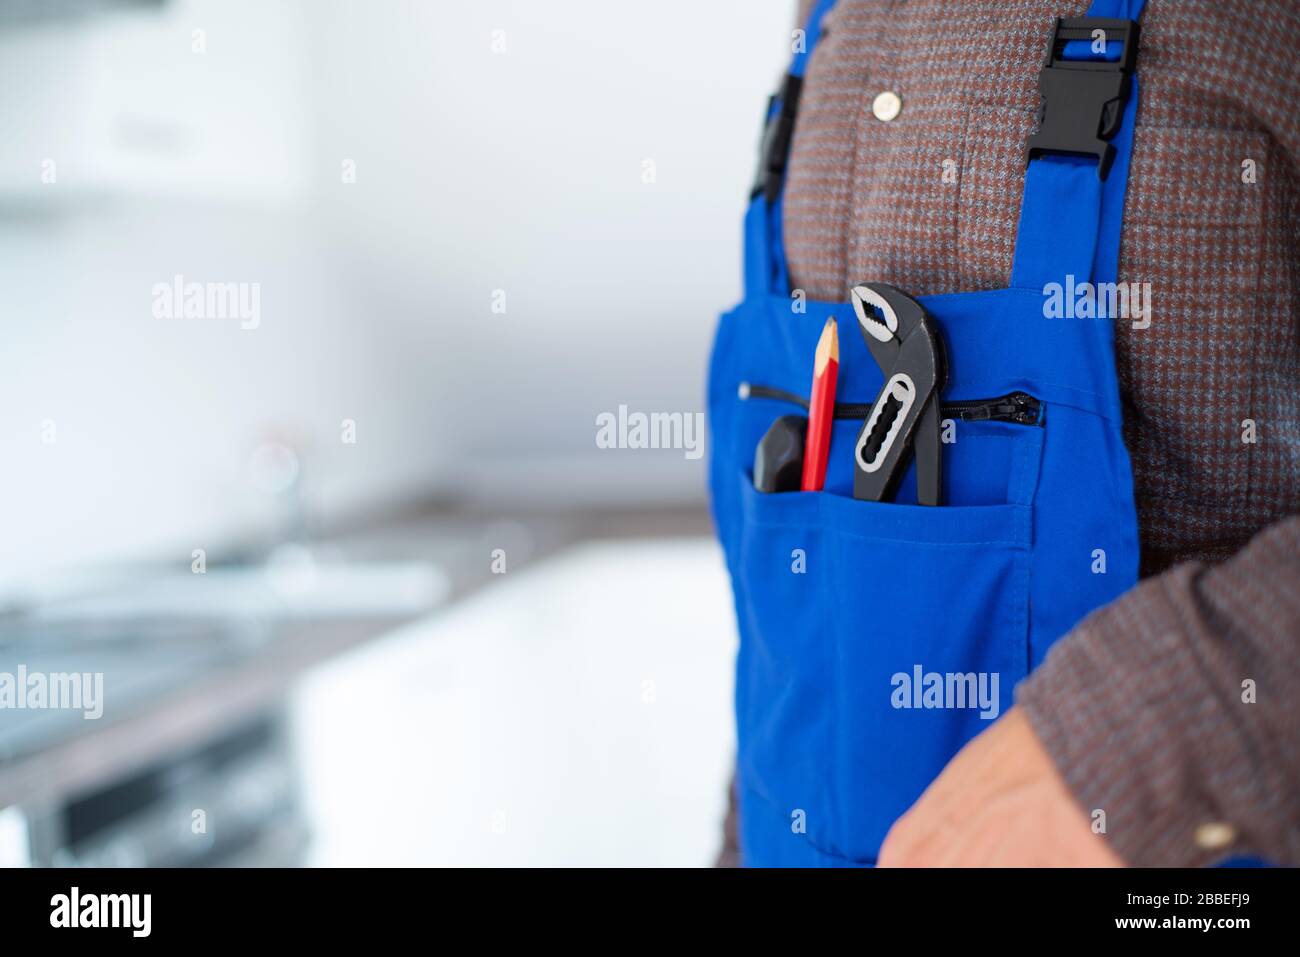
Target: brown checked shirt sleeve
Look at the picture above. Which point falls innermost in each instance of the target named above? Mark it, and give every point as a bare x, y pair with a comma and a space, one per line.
1175, 710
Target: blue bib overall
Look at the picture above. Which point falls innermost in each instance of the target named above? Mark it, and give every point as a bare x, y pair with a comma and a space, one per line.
878, 637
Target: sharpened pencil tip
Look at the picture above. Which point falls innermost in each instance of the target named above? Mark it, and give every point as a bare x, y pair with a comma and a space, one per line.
828, 346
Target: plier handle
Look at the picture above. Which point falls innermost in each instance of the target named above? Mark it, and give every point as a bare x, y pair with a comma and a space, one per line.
904, 419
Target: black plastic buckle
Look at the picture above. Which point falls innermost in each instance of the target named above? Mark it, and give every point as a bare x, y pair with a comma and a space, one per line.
1083, 100
778, 131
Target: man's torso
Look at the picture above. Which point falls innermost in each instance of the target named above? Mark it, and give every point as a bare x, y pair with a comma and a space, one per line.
930, 199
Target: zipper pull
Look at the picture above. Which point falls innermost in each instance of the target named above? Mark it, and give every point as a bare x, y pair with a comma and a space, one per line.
1018, 407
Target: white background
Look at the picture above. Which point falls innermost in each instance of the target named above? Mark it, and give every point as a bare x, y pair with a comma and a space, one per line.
475, 172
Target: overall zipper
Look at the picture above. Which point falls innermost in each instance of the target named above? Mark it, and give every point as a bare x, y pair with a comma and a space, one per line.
1020, 408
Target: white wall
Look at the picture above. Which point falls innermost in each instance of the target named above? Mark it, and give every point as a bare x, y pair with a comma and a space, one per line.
475, 171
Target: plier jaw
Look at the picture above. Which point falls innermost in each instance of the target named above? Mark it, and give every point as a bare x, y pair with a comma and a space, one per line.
904, 419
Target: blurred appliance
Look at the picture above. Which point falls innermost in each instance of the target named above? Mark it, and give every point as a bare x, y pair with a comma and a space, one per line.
232, 800
157, 100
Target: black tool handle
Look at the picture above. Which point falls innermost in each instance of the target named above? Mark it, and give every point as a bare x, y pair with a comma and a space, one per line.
884, 444
927, 442
778, 460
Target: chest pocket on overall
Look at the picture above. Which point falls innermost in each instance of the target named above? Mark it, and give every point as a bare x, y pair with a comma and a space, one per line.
878, 636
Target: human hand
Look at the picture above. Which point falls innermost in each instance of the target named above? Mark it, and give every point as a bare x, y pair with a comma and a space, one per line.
999, 803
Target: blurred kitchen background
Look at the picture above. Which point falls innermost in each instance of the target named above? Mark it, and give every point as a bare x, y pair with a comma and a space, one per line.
360, 583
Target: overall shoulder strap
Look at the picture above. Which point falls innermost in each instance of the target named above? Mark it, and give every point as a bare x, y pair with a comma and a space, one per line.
1078, 160
765, 268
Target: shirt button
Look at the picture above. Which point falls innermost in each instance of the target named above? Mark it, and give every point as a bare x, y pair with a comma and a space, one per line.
886, 105
1215, 835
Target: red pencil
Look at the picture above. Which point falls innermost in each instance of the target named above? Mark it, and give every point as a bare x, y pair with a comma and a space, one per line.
821, 408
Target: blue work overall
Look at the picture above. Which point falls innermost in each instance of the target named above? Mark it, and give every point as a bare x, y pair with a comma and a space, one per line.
879, 637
